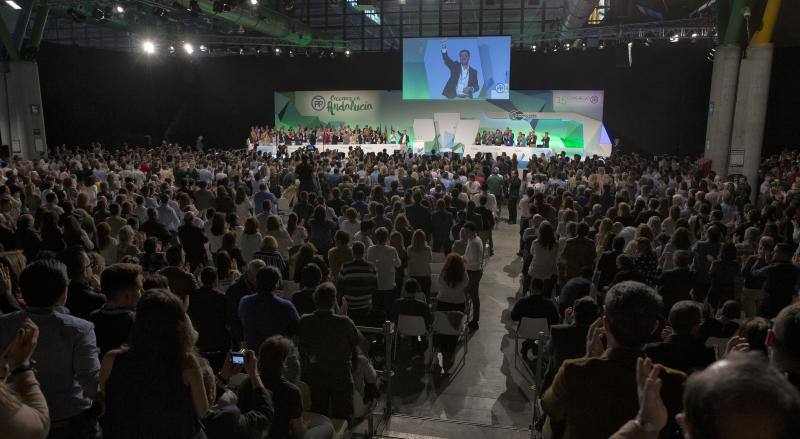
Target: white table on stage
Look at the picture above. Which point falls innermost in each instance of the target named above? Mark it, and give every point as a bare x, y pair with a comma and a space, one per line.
523, 152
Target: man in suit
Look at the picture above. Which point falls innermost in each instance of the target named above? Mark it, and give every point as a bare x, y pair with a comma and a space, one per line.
418, 214
593, 396
463, 82
683, 350
568, 341
534, 306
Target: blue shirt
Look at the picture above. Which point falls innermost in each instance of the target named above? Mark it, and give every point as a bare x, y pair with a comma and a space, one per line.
66, 358
264, 315
258, 201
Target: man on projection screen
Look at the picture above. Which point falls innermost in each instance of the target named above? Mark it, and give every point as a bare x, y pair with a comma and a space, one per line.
463, 82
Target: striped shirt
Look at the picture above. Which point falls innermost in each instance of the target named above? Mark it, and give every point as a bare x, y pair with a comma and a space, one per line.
273, 259
356, 282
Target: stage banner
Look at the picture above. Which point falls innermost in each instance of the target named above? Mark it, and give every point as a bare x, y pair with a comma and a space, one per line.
572, 118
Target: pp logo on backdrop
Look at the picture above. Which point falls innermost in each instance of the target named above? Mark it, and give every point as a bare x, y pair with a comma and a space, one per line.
516, 115
500, 88
318, 103
594, 99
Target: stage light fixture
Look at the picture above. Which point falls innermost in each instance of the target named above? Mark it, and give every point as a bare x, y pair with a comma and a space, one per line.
277, 51
254, 2
119, 9
347, 53
584, 46
333, 54
694, 37
148, 47
533, 48
188, 48
291, 53
13, 5
566, 46
601, 45
203, 48
674, 38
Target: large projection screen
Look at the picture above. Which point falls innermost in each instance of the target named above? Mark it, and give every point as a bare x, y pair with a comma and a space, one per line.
466, 68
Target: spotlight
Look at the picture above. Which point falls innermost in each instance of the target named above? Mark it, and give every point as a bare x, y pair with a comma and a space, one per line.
333, 54
258, 51
188, 48
171, 49
533, 48
203, 48
242, 50
566, 46
674, 38
119, 9
648, 41
602, 45
347, 53
13, 5
277, 51
254, 2
291, 53
98, 14
694, 37
148, 47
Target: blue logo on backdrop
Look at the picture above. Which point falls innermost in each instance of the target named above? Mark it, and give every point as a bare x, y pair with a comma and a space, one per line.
318, 103
500, 88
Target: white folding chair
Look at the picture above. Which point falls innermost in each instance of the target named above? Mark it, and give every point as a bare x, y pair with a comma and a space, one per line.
409, 326
531, 329
720, 344
452, 323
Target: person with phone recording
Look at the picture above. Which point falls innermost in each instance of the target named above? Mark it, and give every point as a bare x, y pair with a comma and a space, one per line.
225, 419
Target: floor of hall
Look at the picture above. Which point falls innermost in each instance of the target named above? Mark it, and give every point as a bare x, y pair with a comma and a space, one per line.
488, 390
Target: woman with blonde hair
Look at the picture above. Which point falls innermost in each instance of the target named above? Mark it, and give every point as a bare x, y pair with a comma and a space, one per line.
219, 227
604, 233
397, 241
419, 258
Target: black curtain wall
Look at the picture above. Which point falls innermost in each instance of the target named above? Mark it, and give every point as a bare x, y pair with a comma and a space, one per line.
658, 105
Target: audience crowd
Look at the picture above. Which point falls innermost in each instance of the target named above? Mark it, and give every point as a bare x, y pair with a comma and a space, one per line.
181, 293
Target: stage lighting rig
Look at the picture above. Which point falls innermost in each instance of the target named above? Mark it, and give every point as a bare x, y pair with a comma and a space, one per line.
148, 47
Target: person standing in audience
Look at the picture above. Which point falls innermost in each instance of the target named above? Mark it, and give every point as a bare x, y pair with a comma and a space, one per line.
181, 282
327, 342
386, 261
245, 285
82, 298
568, 340
682, 349
473, 262
578, 253
122, 285
264, 314
341, 253
356, 282
419, 259
209, 318
595, 395
67, 358
781, 280
153, 386
543, 253
303, 300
